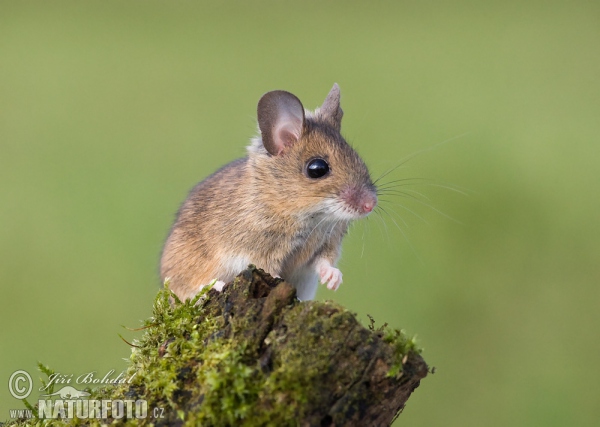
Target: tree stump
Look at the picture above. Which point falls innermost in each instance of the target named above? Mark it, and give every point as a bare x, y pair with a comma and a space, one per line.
254, 355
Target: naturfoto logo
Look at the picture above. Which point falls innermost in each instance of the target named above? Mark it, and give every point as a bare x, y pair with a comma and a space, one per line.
69, 402
85, 409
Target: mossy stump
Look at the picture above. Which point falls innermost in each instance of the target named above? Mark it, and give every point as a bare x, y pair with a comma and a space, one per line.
253, 355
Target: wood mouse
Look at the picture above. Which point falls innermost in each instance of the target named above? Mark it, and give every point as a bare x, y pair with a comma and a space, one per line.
285, 207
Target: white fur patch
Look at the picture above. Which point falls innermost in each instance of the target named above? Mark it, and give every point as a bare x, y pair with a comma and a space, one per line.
339, 210
231, 265
256, 147
219, 284
305, 281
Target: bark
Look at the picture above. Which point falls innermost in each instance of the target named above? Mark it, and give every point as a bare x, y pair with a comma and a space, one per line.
342, 372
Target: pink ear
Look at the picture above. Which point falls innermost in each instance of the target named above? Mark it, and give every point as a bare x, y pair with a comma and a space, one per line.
281, 120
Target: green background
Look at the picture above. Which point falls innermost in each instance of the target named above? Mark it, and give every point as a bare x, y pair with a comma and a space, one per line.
111, 111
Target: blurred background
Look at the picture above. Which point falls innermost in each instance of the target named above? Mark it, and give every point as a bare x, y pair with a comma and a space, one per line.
110, 112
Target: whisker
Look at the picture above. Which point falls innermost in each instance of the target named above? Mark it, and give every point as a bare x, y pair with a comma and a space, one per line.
448, 186
319, 223
420, 152
438, 211
386, 184
416, 192
405, 237
409, 210
462, 191
362, 252
385, 235
401, 219
401, 194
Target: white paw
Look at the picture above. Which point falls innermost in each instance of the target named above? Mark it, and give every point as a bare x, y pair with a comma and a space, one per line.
329, 275
218, 285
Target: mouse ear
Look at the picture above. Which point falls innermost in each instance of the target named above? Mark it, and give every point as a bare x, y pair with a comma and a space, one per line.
331, 110
280, 119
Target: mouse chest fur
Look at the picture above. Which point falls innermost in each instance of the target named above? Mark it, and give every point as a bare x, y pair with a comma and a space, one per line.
316, 234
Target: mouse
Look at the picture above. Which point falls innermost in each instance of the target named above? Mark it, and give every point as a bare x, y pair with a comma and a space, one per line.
285, 207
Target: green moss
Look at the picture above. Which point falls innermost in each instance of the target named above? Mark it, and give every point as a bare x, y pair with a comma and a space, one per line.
403, 346
182, 339
399, 341
182, 342
207, 367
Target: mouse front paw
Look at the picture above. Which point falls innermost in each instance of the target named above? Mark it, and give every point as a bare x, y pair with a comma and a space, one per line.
219, 285
329, 275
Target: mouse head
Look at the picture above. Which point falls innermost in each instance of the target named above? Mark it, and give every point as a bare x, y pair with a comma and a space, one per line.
305, 162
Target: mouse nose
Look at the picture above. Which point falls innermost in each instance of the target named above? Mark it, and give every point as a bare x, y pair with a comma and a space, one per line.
368, 203
368, 206
360, 199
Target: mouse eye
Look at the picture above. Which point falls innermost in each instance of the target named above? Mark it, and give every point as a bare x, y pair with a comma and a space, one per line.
317, 168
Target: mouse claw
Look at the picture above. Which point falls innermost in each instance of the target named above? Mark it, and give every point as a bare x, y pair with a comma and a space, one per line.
335, 280
330, 275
